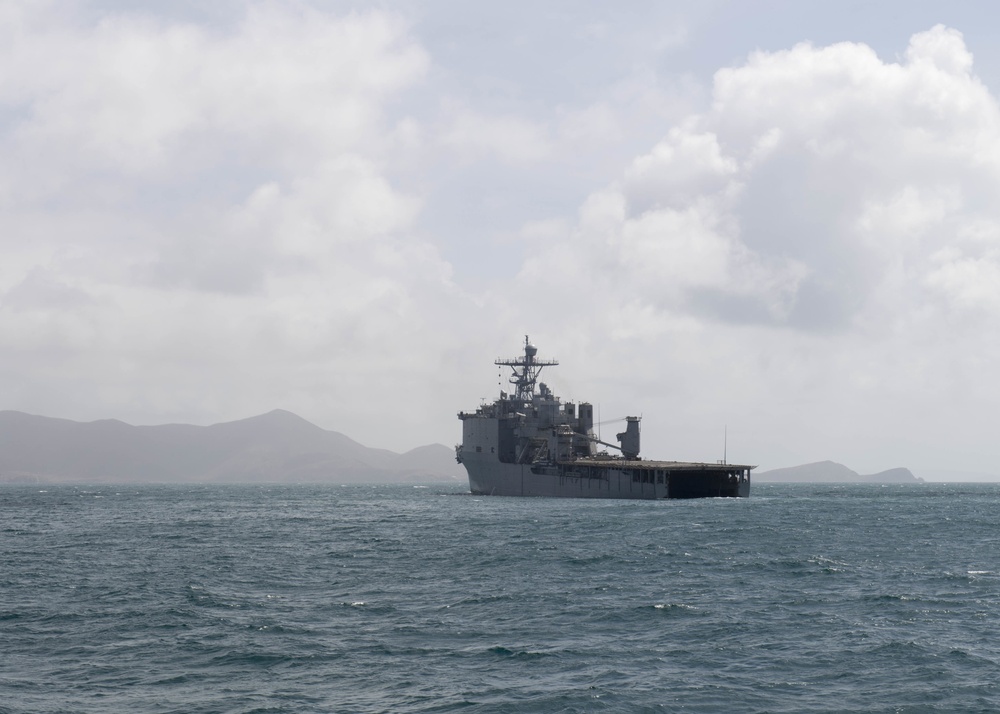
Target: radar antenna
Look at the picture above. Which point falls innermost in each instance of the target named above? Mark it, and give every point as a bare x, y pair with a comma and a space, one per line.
525, 371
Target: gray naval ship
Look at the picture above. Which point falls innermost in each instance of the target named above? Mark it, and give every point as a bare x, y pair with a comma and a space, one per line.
529, 443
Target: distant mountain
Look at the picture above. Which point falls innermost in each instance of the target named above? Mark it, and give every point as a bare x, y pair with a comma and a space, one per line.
832, 472
274, 447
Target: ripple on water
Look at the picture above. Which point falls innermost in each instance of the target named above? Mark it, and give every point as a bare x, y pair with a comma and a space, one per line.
312, 598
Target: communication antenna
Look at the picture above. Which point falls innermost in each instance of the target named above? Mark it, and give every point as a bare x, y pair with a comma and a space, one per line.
525, 370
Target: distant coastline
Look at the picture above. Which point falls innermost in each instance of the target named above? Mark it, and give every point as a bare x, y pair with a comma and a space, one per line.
281, 447
832, 472
277, 447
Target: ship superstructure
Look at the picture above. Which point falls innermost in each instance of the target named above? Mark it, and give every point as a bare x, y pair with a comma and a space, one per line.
530, 443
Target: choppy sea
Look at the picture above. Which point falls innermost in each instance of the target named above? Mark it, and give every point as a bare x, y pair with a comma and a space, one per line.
421, 599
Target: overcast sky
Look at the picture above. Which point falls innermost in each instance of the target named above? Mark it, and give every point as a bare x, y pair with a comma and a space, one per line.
779, 219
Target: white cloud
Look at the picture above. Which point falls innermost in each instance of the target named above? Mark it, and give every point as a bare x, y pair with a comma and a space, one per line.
820, 244
137, 94
967, 282
508, 139
685, 166
199, 224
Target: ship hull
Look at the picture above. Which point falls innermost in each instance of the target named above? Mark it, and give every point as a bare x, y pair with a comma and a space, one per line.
605, 481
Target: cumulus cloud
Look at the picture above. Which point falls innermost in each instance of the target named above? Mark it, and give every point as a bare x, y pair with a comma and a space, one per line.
138, 94
808, 239
190, 211
814, 172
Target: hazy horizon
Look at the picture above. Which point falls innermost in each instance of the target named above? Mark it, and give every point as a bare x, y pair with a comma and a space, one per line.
49, 439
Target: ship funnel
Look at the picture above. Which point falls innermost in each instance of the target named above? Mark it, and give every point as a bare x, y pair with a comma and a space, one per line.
629, 438
586, 419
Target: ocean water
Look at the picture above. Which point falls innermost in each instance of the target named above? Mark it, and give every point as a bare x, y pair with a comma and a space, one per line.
422, 599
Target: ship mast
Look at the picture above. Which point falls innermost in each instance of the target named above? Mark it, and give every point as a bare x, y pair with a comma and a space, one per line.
525, 371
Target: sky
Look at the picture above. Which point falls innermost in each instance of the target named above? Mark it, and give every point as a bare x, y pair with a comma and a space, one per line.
769, 228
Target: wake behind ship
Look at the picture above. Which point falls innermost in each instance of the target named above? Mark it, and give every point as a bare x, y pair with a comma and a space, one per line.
529, 443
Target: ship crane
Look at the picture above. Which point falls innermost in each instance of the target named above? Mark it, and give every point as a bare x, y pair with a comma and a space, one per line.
611, 421
628, 439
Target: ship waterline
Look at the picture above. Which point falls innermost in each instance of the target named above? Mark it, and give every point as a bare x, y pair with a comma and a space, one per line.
530, 443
